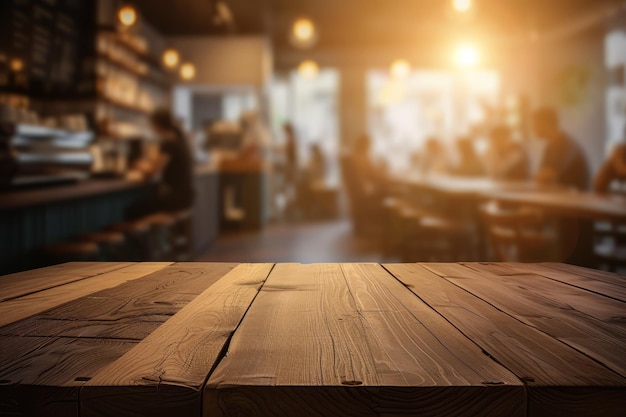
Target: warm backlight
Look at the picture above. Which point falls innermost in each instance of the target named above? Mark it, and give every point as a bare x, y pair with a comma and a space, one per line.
462, 6
400, 68
466, 56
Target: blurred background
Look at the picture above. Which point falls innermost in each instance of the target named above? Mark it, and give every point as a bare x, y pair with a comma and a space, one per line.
312, 131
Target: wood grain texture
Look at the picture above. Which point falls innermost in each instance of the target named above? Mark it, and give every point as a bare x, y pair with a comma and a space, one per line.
600, 282
43, 376
588, 322
553, 372
179, 283
347, 339
90, 332
28, 282
37, 302
112, 314
164, 374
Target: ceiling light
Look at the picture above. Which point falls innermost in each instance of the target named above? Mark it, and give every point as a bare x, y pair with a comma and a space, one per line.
303, 33
187, 71
400, 68
308, 69
127, 15
171, 58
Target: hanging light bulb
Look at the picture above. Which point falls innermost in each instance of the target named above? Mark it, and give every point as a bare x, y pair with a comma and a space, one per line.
16, 65
308, 69
127, 15
462, 6
187, 71
303, 29
171, 58
303, 33
400, 68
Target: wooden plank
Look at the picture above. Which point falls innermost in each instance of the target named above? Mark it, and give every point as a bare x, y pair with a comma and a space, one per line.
28, 282
43, 376
180, 283
164, 374
345, 340
560, 381
600, 282
588, 322
616, 279
112, 313
29, 305
85, 325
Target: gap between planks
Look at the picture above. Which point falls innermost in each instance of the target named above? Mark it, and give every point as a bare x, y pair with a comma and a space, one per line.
583, 320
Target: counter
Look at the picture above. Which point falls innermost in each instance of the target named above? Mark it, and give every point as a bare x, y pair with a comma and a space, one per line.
32, 218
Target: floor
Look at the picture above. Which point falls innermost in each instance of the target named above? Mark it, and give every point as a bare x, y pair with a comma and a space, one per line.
331, 241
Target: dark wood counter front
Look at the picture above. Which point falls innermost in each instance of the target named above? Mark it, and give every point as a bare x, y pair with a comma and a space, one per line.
18, 199
221, 340
31, 219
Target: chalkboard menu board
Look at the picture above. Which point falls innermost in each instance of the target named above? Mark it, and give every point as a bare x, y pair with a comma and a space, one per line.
44, 43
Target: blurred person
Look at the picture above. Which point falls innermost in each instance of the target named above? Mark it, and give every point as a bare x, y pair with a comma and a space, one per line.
255, 137
316, 171
507, 159
469, 164
434, 159
563, 160
612, 171
370, 175
291, 151
172, 162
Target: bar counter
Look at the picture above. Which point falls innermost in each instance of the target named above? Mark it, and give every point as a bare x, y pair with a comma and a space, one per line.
33, 218
222, 339
20, 199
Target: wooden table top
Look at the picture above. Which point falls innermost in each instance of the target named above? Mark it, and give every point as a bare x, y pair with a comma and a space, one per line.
555, 199
569, 203
470, 186
223, 339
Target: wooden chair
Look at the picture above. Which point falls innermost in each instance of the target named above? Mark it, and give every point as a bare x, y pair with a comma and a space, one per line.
365, 207
610, 246
441, 239
517, 234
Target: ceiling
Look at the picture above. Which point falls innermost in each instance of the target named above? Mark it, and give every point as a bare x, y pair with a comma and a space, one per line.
374, 23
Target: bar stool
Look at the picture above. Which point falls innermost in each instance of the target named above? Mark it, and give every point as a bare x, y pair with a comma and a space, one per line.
181, 238
112, 244
70, 251
161, 230
139, 246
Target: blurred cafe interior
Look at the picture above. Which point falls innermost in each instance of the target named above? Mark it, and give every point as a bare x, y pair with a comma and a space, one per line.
313, 131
